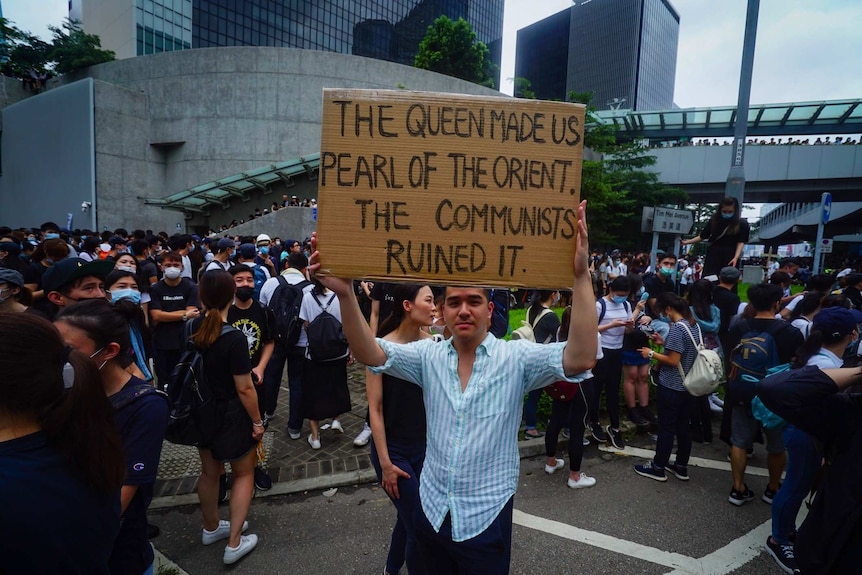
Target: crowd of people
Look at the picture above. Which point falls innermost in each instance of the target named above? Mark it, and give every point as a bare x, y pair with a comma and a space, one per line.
291, 202
790, 141
96, 323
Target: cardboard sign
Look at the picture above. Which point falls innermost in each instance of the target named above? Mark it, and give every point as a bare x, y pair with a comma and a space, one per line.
449, 189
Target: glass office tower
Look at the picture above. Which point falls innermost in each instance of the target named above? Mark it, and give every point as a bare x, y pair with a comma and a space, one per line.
384, 29
624, 51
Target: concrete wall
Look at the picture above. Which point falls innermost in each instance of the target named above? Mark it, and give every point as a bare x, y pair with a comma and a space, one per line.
211, 113
12, 91
47, 158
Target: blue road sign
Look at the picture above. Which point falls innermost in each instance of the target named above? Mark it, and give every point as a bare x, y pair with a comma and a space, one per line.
827, 207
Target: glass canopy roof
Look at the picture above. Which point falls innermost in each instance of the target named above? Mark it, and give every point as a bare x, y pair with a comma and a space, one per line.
798, 118
219, 192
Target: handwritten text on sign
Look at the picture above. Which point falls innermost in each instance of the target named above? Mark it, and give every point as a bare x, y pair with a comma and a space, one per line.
449, 188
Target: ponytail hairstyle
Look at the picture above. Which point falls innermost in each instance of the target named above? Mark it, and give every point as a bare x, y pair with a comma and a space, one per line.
808, 303
563, 331
78, 421
401, 293
104, 323
216, 289
539, 296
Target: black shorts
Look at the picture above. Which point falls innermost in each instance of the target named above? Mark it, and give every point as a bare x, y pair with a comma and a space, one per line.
233, 438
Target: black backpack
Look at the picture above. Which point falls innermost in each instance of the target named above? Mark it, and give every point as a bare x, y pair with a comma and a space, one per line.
194, 415
326, 340
285, 303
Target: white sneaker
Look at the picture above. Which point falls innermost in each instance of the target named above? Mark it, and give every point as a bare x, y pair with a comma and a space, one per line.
363, 438
715, 404
246, 544
221, 532
583, 481
336, 426
314, 443
586, 442
713, 398
550, 469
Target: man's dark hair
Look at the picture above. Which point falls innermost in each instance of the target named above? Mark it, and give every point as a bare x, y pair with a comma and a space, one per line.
139, 247
49, 226
485, 291
297, 260
139, 234
820, 282
122, 232
763, 296
154, 240
789, 262
177, 243
667, 256
240, 268
778, 278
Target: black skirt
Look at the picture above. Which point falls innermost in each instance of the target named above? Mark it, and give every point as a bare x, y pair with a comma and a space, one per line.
324, 389
233, 439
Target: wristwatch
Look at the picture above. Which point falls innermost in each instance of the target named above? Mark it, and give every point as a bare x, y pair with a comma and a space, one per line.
651, 353
185, 317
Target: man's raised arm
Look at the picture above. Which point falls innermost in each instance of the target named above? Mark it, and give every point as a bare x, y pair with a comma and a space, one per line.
363, 346
581, 347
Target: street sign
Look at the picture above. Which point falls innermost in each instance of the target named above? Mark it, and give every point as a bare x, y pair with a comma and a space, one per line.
827, 207
825, 246
670, 221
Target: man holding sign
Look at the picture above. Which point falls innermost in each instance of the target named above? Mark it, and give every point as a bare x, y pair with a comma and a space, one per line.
473, 387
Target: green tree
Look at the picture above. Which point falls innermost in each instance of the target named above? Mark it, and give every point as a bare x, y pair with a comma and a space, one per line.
73, 49
22, 54
450, 47
523, 88
616, 184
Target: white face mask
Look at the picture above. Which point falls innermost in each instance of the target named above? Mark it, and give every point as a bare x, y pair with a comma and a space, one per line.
129, 269
173, 273
438, 327
556, 299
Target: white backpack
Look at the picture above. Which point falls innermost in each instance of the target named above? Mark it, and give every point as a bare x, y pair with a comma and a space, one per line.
526, 329
707, 371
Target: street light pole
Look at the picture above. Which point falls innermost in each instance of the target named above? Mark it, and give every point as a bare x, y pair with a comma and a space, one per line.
735, 186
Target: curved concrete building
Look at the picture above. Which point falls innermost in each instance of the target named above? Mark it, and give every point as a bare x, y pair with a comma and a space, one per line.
158, 126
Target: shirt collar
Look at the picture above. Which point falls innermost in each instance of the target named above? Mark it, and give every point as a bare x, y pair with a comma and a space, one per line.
489, 341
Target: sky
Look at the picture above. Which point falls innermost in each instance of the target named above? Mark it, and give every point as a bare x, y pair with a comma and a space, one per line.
807, 50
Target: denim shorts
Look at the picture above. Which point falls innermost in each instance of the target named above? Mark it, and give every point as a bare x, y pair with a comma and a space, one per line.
744, 428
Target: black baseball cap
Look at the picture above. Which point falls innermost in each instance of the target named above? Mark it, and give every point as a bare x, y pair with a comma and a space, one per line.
68, 270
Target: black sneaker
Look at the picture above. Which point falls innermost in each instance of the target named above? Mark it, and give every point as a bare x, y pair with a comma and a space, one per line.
649, 470
636, 417
678, 471
616, 437
740, 498
223, 492
598, 434
152, 531
769, 494
783, 555
647, 414
262, 480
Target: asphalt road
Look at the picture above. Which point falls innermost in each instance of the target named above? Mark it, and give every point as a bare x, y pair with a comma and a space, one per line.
626, 524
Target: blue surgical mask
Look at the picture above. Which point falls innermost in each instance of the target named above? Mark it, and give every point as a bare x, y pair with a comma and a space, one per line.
667, 271
663, 317
52, 236
618, 298
128, 293
726, 216
264, 250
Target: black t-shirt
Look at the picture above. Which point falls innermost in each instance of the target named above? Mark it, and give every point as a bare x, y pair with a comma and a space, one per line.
718, 236
384, 293
403, 409
255, 323
169, 335
141, 424
546, 328
635, 340
655, 287
787, 340
33, 274
227, 357
147, 269
727, 303
53, 521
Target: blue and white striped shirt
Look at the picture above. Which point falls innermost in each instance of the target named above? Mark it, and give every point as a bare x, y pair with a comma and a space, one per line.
471, 460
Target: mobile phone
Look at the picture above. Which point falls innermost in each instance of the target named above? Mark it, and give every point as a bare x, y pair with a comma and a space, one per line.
645, 296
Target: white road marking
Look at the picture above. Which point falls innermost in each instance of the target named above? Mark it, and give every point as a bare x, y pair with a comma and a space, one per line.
629, 548
694, 461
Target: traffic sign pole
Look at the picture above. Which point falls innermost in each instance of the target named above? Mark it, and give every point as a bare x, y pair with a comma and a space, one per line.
825, 210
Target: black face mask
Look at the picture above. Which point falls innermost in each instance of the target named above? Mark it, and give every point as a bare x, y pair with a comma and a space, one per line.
244, 293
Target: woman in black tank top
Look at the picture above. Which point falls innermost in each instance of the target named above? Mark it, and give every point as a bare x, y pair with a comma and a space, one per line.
397, 417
